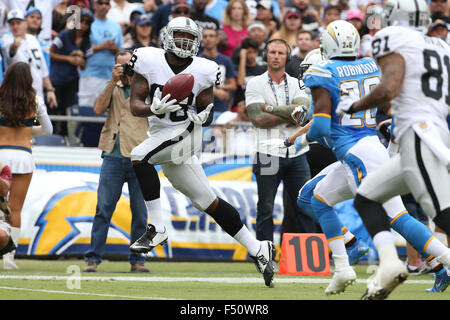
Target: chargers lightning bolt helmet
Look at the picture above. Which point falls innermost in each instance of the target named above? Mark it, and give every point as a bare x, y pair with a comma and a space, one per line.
407, 13
182, 47
340, 39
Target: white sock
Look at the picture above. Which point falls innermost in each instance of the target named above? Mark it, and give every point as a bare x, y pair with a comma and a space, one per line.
435, 247
347, 235
15, 235
433, 263
340, 261
337, 246
381, 238
445, 258
245, 238
384, 242
155, 214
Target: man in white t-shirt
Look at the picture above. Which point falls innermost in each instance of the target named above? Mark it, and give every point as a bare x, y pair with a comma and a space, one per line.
46, 7
270, 99
121, 10
20, 46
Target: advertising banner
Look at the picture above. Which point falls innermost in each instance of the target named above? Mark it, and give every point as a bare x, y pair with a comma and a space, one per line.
61, 202
60, 207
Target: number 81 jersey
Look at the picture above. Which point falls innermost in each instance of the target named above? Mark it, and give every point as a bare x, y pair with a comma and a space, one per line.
151, 63
425, 90
358, 78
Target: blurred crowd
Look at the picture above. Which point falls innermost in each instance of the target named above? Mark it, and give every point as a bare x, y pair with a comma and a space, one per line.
79, 40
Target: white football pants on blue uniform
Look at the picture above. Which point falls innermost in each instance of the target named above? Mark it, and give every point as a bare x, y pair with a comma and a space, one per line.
342, 180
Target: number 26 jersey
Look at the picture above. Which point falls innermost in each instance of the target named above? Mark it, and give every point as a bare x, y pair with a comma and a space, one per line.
425, 90
356, 77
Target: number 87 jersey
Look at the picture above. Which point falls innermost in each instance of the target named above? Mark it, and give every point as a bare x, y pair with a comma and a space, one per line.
425, 89
358, 78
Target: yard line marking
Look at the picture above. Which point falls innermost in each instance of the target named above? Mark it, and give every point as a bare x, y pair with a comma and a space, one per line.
86, 293
190, 279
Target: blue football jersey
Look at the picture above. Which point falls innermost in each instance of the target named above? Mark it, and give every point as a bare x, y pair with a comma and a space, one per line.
358, 78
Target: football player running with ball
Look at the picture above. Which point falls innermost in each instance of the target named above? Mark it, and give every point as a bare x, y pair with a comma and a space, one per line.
175, 135
416, 71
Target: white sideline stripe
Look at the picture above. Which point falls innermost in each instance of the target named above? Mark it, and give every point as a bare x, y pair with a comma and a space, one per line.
85, 293
190, 279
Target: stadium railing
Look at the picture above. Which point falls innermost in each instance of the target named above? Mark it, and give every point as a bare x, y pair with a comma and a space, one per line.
238, 136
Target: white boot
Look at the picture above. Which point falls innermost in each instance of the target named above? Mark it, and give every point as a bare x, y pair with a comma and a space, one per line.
8, 259
391, 272
344, 275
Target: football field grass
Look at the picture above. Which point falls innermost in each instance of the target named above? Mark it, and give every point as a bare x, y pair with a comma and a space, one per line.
63, 280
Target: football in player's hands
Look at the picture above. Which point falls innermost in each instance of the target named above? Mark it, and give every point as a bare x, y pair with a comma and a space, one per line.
179, 86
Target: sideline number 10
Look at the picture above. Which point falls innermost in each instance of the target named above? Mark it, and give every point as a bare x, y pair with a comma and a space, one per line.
304, 254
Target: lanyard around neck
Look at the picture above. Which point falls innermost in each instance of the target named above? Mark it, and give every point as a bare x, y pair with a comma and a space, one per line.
286, 89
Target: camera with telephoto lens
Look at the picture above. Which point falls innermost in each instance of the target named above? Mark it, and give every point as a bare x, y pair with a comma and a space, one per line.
127, 69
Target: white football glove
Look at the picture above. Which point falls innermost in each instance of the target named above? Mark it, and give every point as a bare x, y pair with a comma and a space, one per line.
200, 118
160, 106
274, 145
300, 115
346, 103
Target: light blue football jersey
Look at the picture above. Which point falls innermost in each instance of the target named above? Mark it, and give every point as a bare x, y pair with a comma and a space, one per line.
358, 78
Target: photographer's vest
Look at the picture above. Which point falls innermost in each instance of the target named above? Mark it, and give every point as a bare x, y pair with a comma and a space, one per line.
121, 123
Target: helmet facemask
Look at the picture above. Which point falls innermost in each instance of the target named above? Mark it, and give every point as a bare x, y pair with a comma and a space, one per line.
182, 47
303, 68
315, 56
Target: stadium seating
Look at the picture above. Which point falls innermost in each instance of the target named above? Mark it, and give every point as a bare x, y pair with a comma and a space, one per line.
55, 140
87, 132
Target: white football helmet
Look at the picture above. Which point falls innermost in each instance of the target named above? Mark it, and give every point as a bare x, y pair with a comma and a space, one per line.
340, 39
313, 57
182, 47
407, 13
